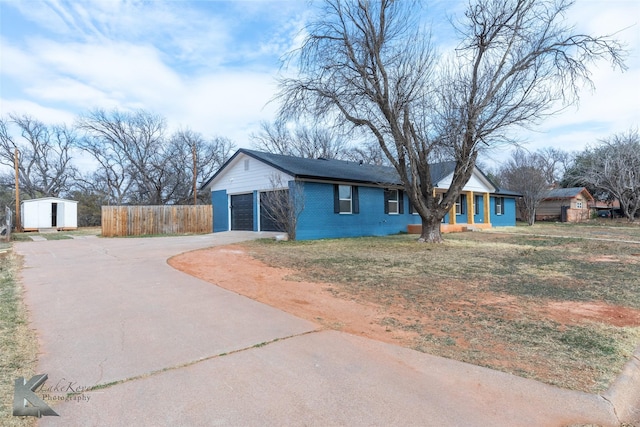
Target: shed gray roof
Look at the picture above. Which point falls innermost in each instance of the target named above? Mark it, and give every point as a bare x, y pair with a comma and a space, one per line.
565, 193
336, 170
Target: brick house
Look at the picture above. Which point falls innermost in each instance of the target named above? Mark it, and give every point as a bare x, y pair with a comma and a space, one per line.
566, 205
344, 199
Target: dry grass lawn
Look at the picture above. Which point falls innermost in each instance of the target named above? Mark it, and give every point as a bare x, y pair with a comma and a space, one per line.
17, 340
550, 302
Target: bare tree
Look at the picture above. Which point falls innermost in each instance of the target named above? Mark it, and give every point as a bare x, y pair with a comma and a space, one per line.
371, 65
613, 167
524, 173
303, 141
554, 163
113, 177
45, 167
129, 147
140, 164
188, 149
283, 204
273, 138
368, 152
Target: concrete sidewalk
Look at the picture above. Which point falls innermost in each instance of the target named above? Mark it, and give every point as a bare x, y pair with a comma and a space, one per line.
172, 350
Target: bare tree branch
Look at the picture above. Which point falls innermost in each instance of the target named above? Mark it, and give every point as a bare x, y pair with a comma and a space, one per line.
45, 168
613, 168
370, 65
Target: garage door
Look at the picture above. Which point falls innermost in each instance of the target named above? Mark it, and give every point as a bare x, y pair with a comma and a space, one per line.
268, 214
242, 212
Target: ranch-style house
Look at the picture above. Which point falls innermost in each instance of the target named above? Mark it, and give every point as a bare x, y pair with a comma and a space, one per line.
344, 199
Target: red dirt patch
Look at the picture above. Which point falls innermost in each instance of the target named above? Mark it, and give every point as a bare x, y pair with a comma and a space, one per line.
569, 312
231, 268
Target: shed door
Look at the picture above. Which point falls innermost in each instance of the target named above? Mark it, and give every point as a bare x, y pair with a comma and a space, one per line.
268, 213
242, 212
54, 214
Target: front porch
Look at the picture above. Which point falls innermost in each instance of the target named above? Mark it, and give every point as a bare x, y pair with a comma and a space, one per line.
449, 228
472, 211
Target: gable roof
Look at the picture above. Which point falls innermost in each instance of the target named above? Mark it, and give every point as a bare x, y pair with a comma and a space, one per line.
567, 193
338, 170
42, 199
329, 169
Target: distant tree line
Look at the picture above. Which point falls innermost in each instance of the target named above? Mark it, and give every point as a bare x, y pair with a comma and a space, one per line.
609, 169
137, 160
317, 141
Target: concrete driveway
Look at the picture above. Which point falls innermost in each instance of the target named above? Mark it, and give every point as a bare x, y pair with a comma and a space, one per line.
168, 349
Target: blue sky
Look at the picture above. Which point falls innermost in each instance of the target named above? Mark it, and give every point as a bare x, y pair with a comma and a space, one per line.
211, 65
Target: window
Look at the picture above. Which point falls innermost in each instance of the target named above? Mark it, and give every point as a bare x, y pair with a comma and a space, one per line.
246, 164
461, 205
393, 202
499, 205
578, 205
344, 192
477, 204
345, 199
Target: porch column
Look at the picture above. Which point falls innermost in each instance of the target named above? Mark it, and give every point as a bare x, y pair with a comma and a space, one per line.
470, 204
452, 215
487, 208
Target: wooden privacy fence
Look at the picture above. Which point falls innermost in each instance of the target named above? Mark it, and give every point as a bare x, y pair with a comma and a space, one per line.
146, 220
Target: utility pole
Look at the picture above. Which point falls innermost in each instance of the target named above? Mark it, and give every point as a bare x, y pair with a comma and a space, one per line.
15, 163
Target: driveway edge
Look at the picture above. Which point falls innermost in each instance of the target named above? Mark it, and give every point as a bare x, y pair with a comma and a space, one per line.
624, 393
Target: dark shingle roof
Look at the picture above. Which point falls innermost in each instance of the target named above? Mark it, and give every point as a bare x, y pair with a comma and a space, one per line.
565, 193
510, 193
329, 169
337, 170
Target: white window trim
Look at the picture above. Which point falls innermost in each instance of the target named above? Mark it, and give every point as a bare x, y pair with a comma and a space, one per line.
395, 201
459, 205
350, 199
501, 204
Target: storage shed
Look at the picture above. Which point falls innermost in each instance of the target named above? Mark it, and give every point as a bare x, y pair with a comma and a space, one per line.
49, 212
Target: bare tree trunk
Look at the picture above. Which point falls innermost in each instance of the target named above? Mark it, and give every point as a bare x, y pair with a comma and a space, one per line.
531, 213
431, 230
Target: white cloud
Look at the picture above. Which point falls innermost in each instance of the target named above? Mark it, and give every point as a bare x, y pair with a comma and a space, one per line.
614, 105
37, 110
211, 65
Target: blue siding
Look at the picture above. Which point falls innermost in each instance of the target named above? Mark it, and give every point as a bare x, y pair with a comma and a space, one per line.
318, 219
220, 203
508, 218
479, 217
